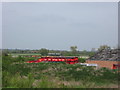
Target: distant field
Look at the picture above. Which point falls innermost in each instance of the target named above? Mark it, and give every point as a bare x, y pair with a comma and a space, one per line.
16, 55
40, 54
25, 54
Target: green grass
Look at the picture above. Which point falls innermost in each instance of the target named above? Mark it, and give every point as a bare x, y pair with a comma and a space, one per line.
82, 60
26, 54
54, 75
0, 71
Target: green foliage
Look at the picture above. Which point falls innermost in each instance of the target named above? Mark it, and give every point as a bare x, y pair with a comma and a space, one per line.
45, 83
17, 81
82, 60
50, 75
108, 74
20, 58
73, 49
44, 51
91, 54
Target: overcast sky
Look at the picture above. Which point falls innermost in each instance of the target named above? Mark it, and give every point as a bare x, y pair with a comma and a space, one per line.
59, 25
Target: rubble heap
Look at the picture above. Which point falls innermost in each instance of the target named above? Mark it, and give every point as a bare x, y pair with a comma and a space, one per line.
107, 54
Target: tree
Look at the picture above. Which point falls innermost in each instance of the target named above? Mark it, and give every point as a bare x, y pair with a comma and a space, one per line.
44, 51
73, 49
103, 47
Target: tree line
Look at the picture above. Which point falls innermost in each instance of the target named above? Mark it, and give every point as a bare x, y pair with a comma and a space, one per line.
44, 52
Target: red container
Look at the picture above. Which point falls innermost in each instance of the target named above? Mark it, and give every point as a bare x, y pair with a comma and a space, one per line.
68, 60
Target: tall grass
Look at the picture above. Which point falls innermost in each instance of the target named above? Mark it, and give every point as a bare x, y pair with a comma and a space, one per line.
17, 81
54, 75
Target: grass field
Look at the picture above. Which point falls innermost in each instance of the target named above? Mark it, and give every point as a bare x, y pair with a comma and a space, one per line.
16, 55
18, 74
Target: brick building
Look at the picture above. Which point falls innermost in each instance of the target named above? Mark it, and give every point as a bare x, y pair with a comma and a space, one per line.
105, 58
103, 63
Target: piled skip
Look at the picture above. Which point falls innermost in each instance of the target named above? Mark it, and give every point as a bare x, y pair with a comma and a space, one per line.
107, 54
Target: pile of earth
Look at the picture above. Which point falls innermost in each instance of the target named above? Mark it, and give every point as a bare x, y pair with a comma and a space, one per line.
107, 54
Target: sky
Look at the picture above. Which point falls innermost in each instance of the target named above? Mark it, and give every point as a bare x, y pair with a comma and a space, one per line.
57, 26
0, 25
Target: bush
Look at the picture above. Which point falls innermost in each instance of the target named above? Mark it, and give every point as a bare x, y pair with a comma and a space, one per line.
82, 60
23, 74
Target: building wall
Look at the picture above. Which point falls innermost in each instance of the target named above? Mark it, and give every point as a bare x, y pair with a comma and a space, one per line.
107, 64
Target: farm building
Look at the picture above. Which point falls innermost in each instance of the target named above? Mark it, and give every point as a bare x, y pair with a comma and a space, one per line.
108, 58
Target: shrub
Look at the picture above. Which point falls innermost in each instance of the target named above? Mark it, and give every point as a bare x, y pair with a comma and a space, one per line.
24, 74
82, 60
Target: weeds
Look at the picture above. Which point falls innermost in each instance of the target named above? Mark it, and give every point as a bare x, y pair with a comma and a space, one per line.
54, 75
